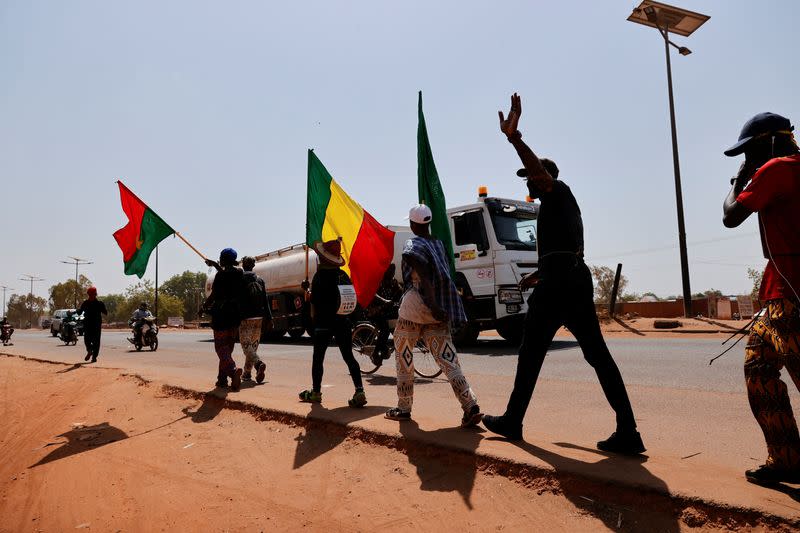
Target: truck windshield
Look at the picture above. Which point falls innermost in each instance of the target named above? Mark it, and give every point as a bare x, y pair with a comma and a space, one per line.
514, 227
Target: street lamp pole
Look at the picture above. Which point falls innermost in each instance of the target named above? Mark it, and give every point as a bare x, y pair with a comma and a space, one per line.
667, 18
76, 261
4, 297
687, 291
30, 278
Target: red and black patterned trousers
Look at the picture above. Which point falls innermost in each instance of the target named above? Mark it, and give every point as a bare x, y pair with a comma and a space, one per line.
774, 344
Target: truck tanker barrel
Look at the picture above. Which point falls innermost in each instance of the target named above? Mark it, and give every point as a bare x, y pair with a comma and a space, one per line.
283, 272
494, 247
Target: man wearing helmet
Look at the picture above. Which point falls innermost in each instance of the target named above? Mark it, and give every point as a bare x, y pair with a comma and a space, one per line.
139, 317
768, 183
92, 310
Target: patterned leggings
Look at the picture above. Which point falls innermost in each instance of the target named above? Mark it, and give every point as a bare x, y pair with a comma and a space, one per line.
224, 340
249, 337
774, 343
437, 339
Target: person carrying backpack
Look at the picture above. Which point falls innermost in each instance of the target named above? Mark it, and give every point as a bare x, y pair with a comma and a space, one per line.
254, 309
223, 303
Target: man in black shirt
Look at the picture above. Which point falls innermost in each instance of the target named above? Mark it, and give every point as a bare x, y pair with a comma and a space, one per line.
562, 295
92, 309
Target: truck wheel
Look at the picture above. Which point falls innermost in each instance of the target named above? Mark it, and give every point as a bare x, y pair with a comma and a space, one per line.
296, 333
511, 330
465, 335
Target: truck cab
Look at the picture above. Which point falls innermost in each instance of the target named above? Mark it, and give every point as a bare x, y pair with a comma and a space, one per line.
494, 245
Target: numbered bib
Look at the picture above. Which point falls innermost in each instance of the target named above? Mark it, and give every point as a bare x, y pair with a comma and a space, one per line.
347, 300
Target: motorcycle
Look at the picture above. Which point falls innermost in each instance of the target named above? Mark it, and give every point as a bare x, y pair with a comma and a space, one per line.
147, 335
5, 334
69, 329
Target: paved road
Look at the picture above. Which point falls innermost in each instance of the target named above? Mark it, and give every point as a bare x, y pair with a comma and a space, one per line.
674, 363
694, 418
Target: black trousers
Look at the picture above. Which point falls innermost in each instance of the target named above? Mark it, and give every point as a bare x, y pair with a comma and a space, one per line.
566, 299
91, 338
338, 327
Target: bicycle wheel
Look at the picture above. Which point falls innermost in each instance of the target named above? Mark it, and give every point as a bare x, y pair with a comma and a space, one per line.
424, 364
364, 336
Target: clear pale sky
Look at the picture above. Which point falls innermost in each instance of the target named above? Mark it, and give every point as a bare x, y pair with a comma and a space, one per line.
206, 110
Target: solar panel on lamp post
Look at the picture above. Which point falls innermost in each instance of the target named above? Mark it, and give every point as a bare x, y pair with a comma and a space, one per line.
670, 19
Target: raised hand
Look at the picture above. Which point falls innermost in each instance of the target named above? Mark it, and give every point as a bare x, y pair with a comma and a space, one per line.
509, 125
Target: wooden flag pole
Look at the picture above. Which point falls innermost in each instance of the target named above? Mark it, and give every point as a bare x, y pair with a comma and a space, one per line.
195, 250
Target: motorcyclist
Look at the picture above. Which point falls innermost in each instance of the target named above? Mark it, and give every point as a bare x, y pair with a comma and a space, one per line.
5, 331
138, 319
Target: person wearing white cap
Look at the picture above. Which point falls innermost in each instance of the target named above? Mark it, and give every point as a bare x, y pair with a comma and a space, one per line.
430, 306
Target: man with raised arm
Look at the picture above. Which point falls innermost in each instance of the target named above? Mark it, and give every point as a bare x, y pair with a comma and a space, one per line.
562, 296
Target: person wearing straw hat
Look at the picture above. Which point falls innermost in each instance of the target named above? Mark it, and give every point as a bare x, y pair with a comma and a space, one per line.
326, 311
223, 303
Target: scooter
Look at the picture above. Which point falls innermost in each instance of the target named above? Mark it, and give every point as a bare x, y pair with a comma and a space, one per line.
69, 329
5, 334
147, 335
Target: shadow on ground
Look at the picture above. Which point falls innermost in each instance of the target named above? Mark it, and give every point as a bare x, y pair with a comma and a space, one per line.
213, 403
76, 366
82, 439
613, 515
378, 379
442, 470
322, 436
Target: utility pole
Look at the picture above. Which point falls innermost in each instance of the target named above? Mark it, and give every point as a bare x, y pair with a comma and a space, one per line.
29, 277
77, 261
4, 297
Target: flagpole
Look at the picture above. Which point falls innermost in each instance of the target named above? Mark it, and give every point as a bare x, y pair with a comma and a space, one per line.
195, 250
156, 302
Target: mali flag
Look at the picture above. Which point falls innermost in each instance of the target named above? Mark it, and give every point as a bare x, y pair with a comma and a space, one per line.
367, 245
141, 235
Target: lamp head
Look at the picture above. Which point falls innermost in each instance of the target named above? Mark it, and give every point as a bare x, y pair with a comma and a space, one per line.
682, 50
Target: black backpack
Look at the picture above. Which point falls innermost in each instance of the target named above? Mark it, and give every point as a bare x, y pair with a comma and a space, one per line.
253, 294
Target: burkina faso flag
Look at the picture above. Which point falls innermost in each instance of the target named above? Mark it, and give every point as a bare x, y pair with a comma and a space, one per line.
141, 235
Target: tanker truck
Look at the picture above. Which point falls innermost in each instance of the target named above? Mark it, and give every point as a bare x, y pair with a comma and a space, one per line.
494, 245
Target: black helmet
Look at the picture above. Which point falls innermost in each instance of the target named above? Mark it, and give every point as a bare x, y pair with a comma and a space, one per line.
143, 305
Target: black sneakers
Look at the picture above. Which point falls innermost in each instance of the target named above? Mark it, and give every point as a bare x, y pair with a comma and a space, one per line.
236, 380
767, 475
261, 371
499, 425
626, 443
